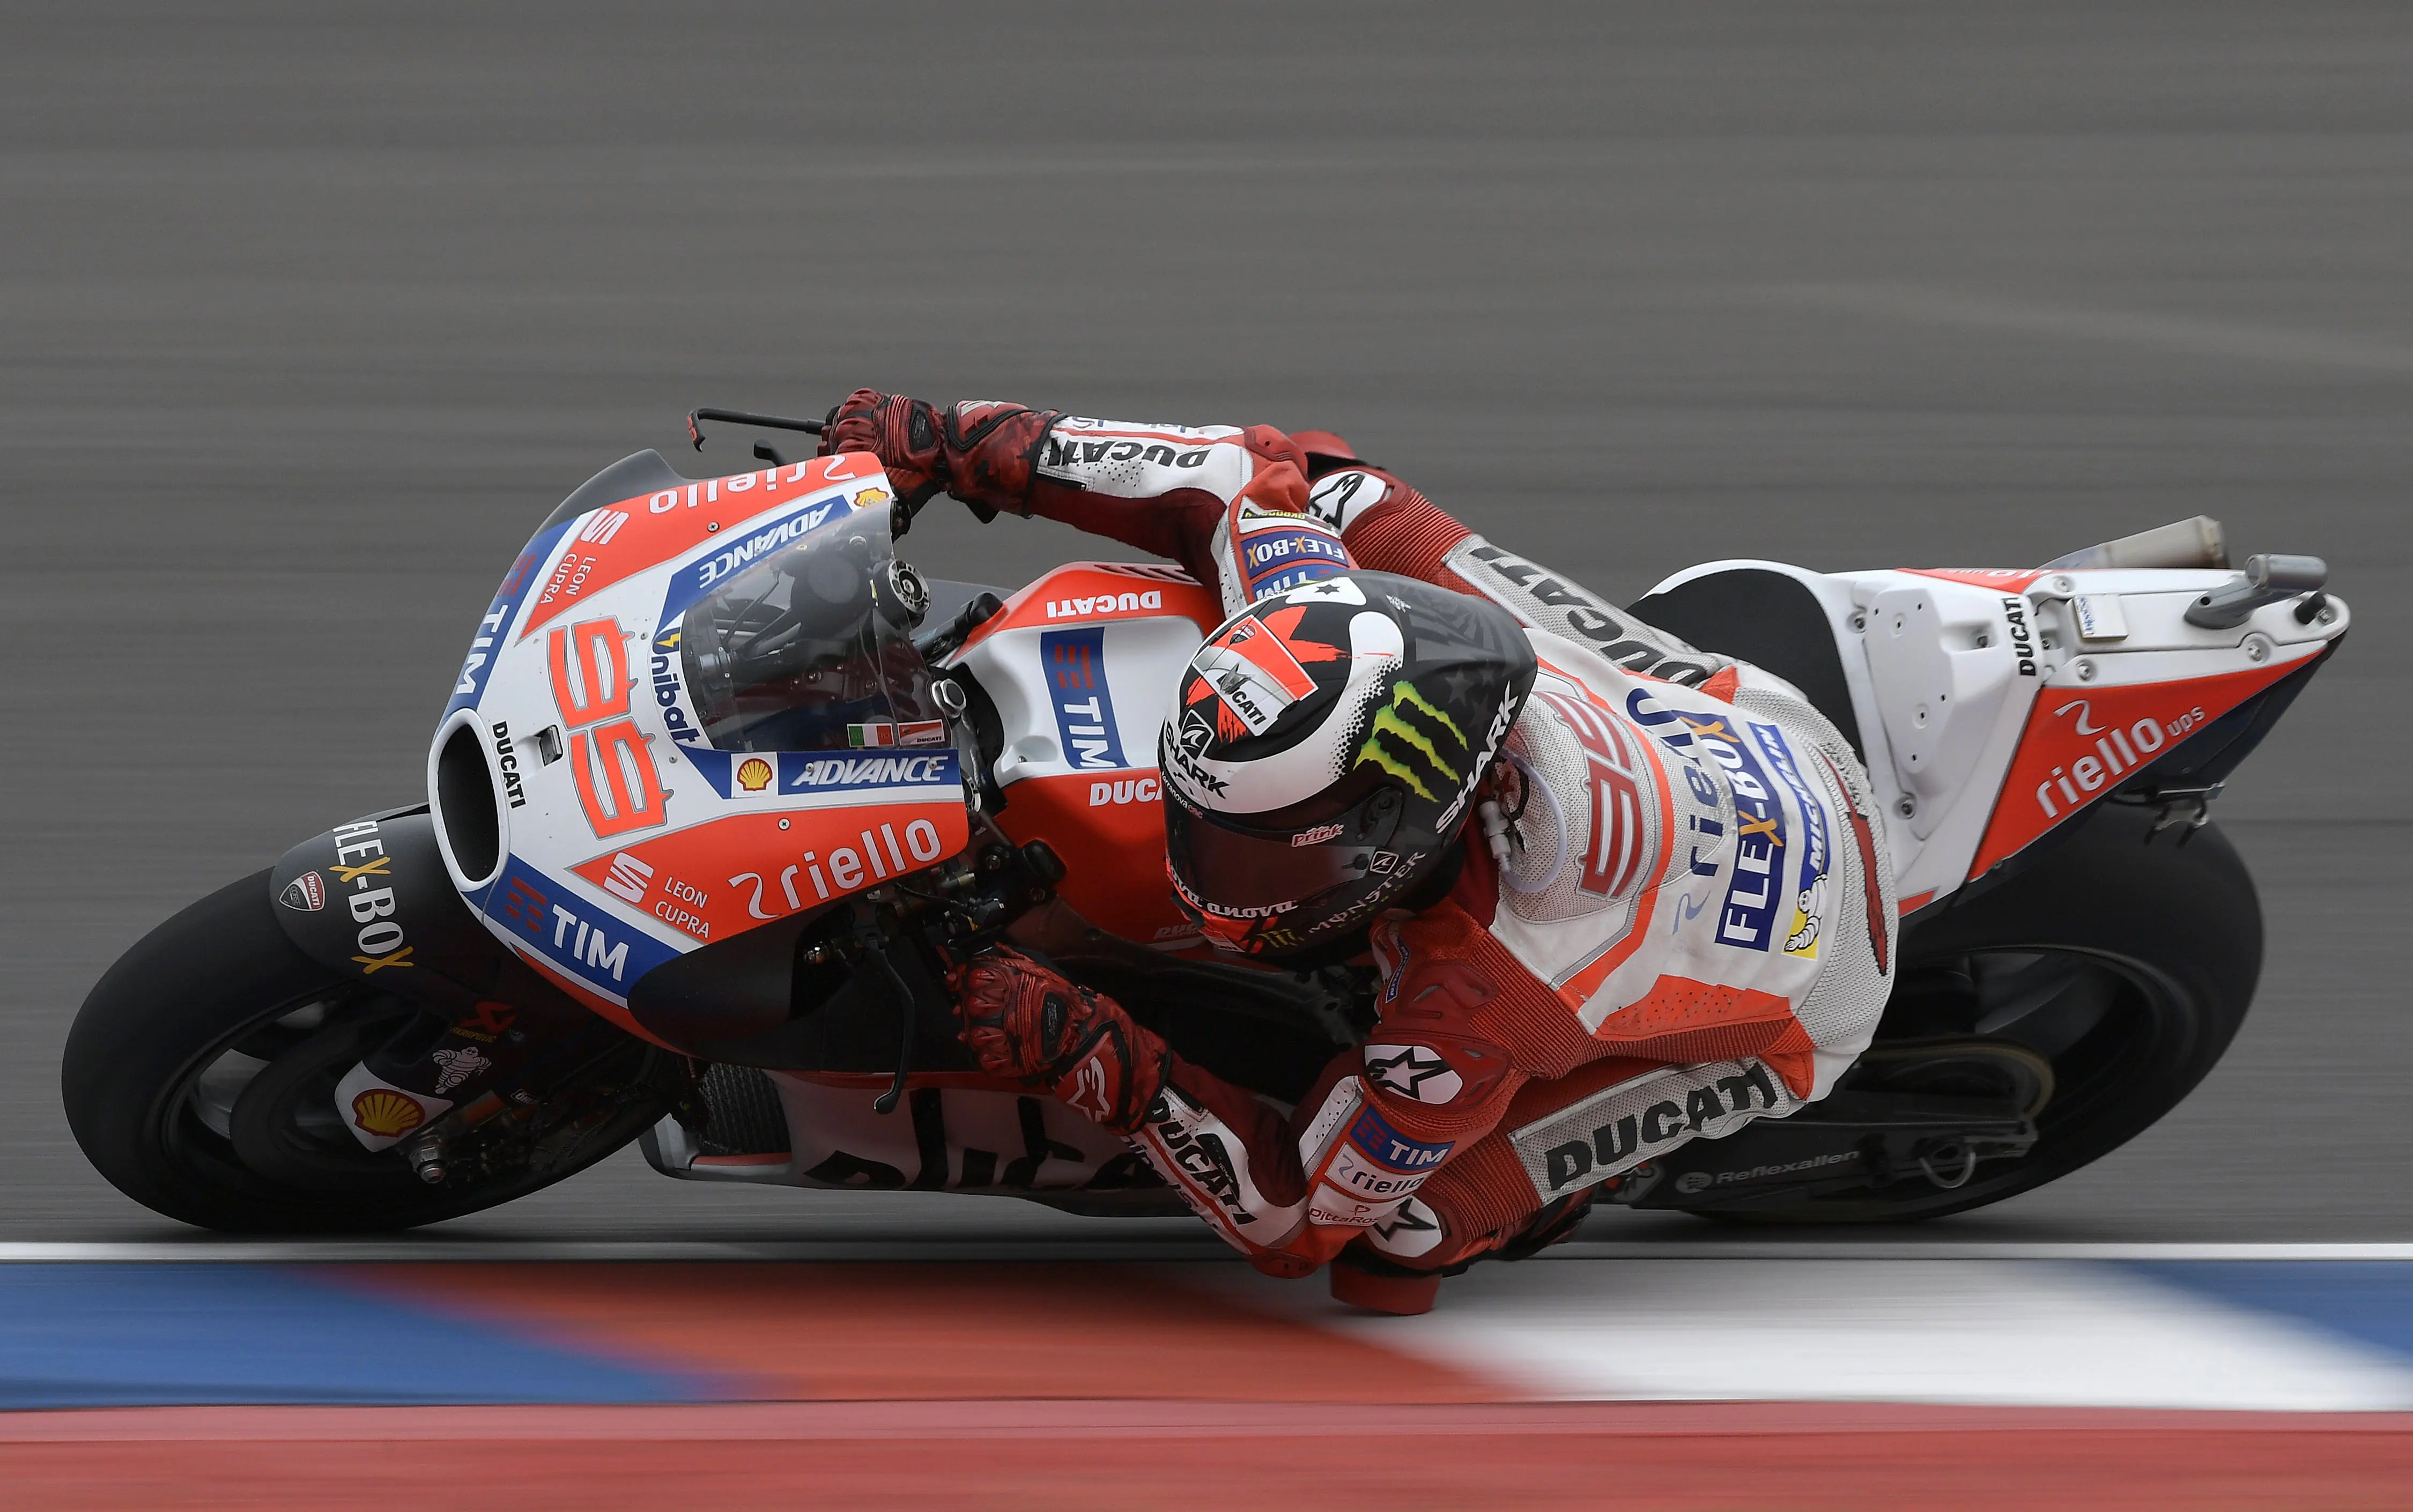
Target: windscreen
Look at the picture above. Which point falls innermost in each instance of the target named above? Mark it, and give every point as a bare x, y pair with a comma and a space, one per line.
809, 647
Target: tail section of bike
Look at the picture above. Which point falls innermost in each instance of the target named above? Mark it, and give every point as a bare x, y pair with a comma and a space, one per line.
1994, 706
2080, 946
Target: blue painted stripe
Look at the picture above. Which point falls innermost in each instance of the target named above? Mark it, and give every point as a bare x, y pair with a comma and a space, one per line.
2370, 1301
128, 1335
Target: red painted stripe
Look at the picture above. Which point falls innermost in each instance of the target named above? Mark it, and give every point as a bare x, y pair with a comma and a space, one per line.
1080, 1454
1075, 1419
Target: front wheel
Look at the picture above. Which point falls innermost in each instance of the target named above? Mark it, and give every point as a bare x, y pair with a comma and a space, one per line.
200, 1073
2121, 963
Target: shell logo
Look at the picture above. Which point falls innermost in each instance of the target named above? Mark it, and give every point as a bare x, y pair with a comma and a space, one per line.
870, 498
754, 773
385, 1112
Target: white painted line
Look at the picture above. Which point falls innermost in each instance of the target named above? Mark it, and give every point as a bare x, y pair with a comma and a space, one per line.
1203, 1246
1967, 1333
1975, 1249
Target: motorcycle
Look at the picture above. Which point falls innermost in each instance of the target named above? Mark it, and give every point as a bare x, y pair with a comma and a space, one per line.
723, 786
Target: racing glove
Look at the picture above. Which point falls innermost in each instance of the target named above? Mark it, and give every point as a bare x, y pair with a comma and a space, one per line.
980, 452
1024, 1021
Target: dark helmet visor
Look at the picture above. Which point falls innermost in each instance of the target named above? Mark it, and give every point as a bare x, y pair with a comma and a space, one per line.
1234, 867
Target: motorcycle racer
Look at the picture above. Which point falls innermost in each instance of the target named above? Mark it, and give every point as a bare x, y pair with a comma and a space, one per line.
1622, 893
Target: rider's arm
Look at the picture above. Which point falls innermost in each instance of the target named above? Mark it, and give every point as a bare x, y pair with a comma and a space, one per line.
1229, 504
1288, 1190
1196, 493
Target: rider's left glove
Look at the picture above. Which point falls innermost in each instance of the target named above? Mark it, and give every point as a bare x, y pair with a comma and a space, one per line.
902, 433
980, 452
1026, 1021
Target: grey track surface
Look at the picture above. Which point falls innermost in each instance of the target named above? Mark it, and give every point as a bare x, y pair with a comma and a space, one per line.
308, 314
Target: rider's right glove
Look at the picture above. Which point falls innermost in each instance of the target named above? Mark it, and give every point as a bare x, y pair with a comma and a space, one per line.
982, 453
1025, 1020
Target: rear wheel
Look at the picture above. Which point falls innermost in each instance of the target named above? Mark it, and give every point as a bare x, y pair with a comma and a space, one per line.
199, 1079
2108, 977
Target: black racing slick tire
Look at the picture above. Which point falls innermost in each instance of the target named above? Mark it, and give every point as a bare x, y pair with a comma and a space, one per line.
188, 1081
2124, 957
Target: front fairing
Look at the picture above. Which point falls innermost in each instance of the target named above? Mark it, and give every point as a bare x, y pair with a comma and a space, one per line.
642, 818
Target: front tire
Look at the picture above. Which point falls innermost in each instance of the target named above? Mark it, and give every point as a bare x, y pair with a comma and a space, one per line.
191, 1080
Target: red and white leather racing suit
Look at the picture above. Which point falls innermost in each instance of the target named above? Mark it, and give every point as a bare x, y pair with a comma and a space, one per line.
1681, 920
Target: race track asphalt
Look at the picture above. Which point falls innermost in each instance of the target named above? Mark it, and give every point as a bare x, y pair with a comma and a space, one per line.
307, 313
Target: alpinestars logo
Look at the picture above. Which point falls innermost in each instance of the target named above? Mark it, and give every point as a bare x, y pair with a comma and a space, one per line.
1339, 498
1413, 1072
1414, 1230
1089, 1091
1415, 742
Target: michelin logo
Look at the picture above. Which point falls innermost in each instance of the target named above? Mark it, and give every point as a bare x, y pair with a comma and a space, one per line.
1810, 897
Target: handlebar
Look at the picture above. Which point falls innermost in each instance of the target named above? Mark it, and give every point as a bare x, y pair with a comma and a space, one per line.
901, 515
743, 417
938, 645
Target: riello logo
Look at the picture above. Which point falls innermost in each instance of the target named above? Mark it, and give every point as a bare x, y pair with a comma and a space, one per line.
2117, 751
2079, 748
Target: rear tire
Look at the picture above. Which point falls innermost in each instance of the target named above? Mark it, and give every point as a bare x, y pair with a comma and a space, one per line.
218, 1002
2124, 957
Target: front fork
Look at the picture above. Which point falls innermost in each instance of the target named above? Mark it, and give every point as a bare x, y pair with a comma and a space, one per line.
493, 1039
438, 1088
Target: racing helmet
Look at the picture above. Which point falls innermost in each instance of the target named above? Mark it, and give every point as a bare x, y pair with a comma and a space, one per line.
1323, 751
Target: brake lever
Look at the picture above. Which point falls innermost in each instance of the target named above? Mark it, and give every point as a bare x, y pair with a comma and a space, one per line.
1031, 871
743, 417
878, 953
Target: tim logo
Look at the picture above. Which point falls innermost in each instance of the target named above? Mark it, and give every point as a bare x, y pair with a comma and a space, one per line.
604, 954
1076, 663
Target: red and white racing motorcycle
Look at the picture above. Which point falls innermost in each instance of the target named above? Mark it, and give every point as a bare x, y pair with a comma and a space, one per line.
720, 790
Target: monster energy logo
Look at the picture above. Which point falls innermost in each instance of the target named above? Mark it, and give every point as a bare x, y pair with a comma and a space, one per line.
1404, 740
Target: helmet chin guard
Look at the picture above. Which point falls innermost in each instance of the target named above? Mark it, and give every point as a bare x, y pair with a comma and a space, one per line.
1324, 751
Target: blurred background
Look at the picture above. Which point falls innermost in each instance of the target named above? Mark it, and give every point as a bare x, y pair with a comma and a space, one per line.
309, 313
